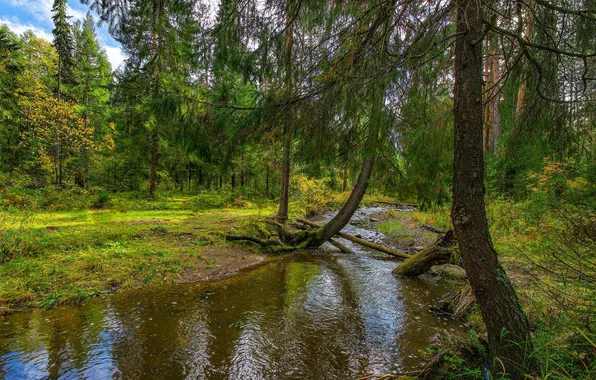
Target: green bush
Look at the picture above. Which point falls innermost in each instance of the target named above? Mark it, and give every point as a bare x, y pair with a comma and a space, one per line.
101, 200
207, 201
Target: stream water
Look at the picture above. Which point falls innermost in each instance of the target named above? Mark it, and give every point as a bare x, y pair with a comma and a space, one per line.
311, 315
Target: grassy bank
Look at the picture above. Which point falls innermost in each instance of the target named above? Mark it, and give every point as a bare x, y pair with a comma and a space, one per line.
64, 248
548, 252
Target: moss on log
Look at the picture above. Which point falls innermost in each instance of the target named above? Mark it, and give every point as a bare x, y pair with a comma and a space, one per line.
439, 252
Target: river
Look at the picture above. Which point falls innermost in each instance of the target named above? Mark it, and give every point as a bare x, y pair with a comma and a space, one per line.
311, 315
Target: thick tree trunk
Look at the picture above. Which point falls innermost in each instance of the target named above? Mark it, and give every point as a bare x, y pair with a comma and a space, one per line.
282, 213
507, 324
495, 72
153, 170
491, 104
345, 214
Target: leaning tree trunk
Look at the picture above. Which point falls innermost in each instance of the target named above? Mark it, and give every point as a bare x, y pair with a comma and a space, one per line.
345, 214
506, 323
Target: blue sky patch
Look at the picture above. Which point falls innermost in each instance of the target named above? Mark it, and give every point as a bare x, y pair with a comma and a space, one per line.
36, 15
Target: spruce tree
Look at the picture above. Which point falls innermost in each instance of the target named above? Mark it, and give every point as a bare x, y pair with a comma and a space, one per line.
63, 43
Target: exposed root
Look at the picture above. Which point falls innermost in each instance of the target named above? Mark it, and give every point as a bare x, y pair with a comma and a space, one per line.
462, 302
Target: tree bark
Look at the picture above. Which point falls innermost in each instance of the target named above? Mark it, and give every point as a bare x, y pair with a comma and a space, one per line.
345, 214
282, 213
507, 324
284, 181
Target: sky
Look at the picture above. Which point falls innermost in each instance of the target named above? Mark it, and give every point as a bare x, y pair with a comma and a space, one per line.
36, 15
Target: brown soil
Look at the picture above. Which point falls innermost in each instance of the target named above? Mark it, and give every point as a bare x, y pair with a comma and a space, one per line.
223, 262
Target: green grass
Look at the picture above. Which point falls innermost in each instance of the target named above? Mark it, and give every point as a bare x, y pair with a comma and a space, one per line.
560, 306
66, 256
394, 228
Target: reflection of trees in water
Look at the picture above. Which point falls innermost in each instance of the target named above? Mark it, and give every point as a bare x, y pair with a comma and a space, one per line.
149, 338
308, 316
59, 343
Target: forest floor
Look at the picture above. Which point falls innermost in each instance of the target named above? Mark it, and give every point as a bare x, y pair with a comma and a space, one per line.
68, 257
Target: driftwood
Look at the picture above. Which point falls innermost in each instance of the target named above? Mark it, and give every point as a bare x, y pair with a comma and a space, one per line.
440, 252
366, 243
434, 229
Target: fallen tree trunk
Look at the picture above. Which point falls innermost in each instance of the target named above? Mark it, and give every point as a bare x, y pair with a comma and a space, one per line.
397, 204
366, 243
440, 252
339, 245
434, 229
290, 240
274, 245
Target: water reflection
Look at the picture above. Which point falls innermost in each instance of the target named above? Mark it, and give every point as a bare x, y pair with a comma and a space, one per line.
312, 315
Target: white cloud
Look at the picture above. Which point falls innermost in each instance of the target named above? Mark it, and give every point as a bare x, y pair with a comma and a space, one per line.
41, 24
42, 9
20, 28
115, 55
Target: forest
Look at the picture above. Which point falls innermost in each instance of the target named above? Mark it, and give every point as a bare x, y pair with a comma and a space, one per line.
325, 189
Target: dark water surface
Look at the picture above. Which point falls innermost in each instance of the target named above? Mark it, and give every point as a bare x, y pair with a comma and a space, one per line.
313, 315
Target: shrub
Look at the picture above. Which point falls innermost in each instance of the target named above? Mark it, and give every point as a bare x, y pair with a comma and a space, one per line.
101, 200
207, 201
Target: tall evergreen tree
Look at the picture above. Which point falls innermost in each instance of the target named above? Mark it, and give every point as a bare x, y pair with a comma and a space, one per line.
63, 43
158, 36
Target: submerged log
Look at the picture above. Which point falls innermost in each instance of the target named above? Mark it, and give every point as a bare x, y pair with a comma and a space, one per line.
366, 243
439, 252
341, 247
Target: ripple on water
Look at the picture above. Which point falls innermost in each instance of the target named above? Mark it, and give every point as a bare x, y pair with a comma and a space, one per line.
308, 316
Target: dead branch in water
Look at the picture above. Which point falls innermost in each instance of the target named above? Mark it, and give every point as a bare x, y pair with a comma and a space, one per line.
366, 243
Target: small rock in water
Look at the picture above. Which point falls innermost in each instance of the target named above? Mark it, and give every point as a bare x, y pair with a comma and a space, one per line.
206, 294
